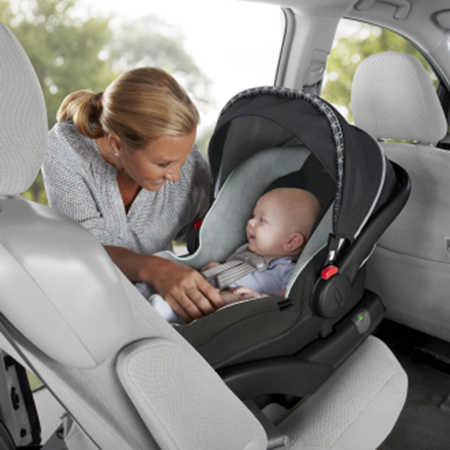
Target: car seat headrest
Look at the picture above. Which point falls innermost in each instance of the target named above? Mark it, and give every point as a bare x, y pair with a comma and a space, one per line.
393, 98
23, 118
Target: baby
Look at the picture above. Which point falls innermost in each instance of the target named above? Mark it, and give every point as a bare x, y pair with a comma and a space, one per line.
277, 233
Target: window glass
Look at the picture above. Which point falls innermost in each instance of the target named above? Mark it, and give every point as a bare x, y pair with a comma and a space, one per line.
354, 42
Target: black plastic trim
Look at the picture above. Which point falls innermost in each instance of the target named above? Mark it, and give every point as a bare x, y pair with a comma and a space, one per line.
285, 375
301, 374
346, 337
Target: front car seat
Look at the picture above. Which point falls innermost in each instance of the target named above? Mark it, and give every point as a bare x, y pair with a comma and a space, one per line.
126, 378
393, 98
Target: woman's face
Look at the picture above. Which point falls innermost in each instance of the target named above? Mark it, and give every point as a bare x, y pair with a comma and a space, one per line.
158, 162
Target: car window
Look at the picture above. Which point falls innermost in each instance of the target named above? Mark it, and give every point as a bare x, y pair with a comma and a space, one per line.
354, 42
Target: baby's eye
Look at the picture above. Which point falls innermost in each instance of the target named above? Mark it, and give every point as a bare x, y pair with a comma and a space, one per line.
164, 164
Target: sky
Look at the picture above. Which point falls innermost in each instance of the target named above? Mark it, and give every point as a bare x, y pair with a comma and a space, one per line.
235, 43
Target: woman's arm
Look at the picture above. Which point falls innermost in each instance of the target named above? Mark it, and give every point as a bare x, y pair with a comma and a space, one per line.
186, 291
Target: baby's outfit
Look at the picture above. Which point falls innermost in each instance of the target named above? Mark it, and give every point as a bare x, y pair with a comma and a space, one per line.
268, 276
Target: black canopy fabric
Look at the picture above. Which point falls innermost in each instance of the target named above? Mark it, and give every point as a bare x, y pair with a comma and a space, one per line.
270, 117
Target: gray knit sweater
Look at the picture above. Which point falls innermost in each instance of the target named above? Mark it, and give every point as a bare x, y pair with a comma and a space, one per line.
81, 184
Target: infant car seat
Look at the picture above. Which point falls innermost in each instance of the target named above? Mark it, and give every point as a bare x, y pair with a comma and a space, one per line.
273, 137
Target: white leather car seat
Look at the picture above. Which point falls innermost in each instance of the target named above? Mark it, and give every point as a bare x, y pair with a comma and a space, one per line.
393, 98
127, 379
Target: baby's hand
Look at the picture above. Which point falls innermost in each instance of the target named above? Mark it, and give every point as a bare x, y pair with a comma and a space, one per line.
245, 293
209, 266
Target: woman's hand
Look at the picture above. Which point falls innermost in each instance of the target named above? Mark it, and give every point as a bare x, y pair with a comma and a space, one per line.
186, 291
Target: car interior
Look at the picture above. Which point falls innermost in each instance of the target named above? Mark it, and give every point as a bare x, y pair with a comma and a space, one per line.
360, 360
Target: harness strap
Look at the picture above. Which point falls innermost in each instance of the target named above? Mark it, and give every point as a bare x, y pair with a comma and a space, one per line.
237, 266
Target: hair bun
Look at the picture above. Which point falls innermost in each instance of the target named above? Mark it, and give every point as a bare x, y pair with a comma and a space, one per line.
96, 108
97, 105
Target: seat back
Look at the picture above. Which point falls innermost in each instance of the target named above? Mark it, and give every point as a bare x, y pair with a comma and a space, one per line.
393, 98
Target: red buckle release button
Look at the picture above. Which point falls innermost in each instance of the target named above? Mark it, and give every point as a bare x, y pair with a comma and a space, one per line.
198, 224
329, 272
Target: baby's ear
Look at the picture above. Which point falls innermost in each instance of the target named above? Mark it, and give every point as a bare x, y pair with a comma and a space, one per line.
294, 242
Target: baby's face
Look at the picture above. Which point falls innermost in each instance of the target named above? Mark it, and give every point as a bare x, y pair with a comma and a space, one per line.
266, 230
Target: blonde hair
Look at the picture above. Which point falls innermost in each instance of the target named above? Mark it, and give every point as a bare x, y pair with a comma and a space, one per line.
140, 105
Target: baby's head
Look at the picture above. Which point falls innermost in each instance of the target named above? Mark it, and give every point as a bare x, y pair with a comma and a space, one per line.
282, 222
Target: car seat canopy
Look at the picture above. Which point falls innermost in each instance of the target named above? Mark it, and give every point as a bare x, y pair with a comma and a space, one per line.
269, 116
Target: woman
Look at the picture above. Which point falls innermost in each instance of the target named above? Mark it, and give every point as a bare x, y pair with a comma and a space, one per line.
124, 165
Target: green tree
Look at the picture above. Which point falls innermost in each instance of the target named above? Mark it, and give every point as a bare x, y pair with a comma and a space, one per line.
151, 41
350, 50
64, 51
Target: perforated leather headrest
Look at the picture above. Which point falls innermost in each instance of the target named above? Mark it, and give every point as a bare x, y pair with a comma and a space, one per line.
23, 118
394, 98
